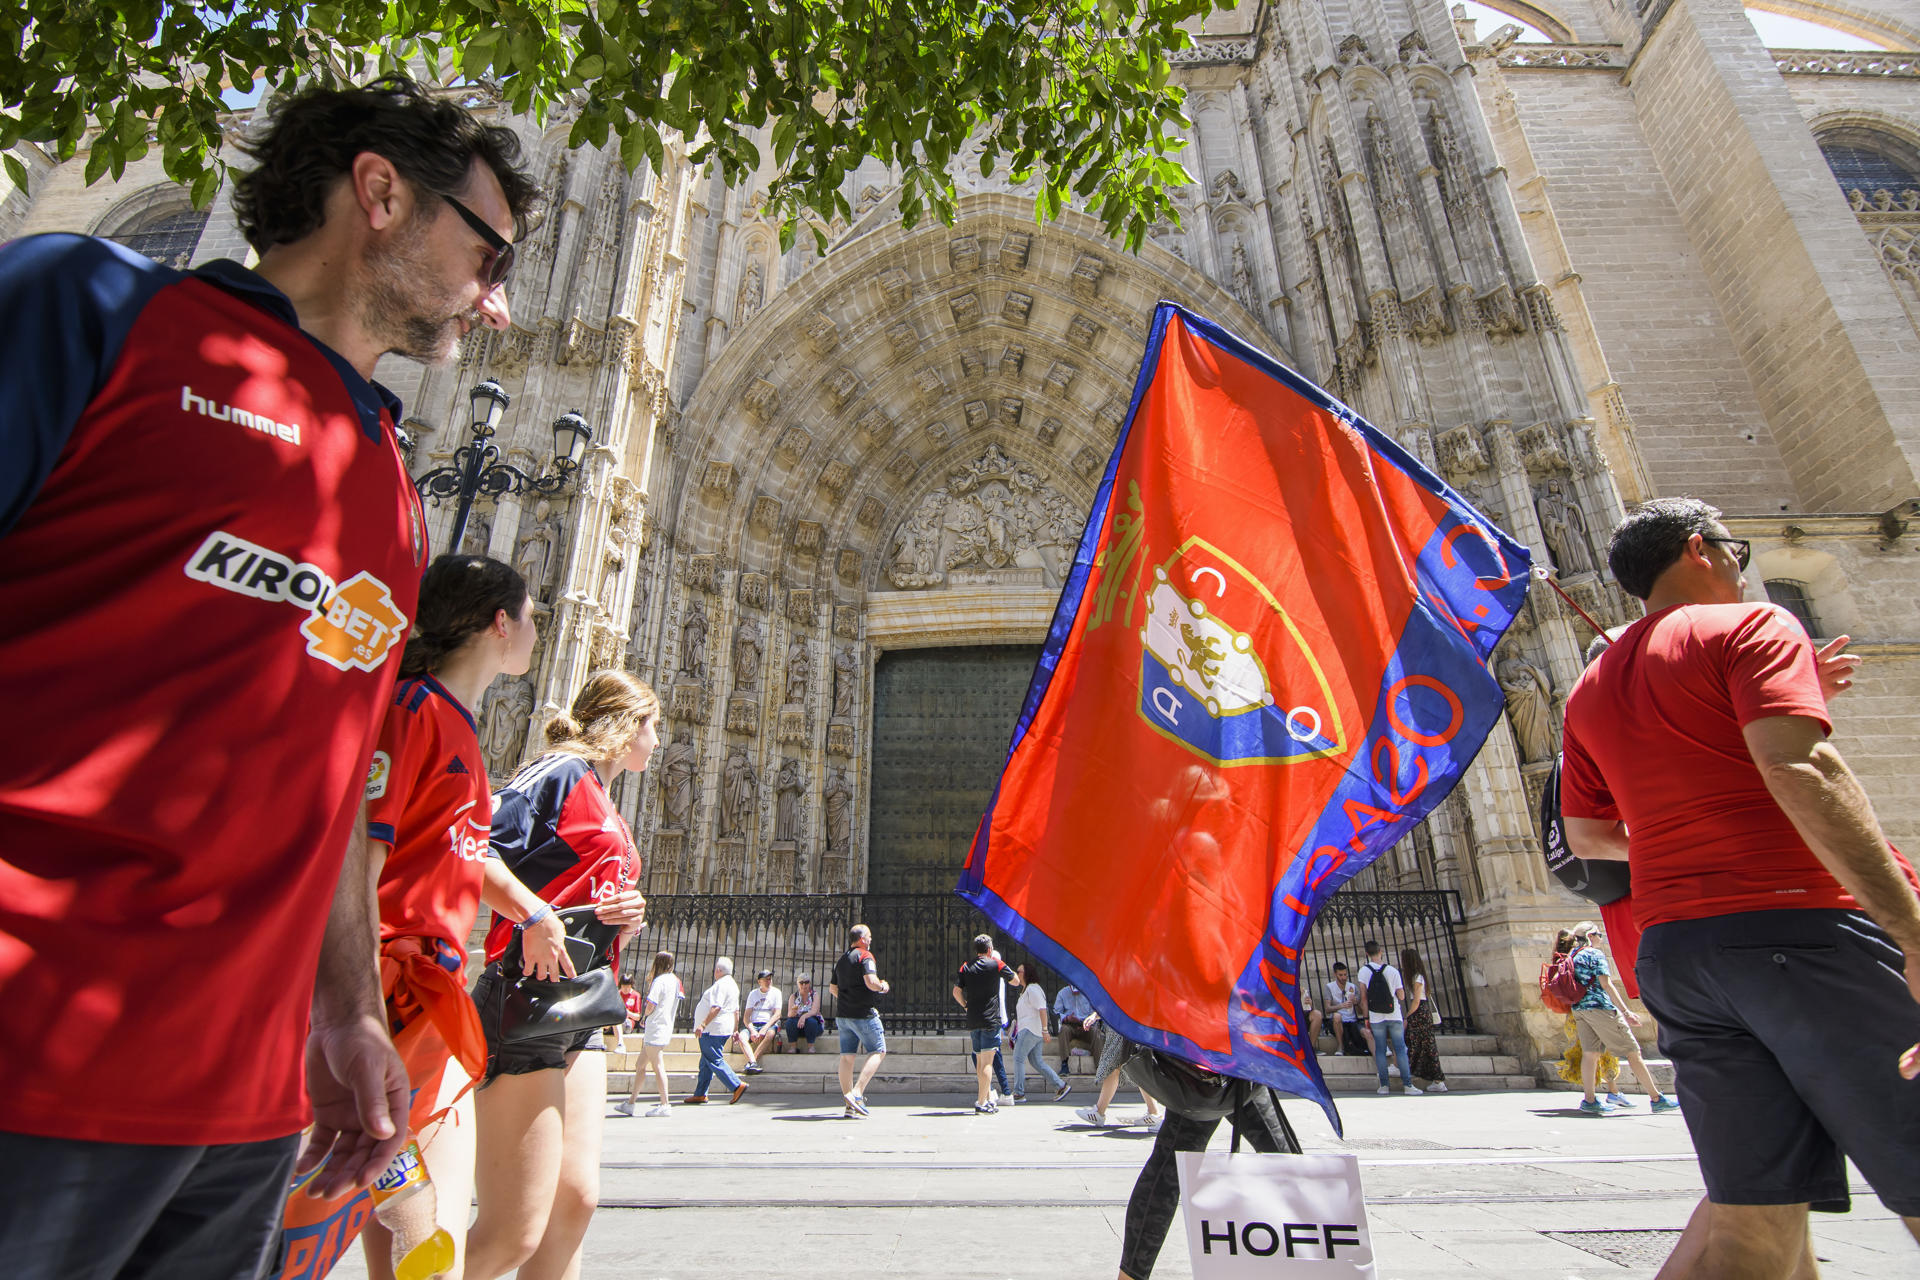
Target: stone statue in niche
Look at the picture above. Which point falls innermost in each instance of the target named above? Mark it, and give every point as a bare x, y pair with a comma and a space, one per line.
839, 798
739, 794
612, 563
1565, 528
1242, 275
915, 561
693, 642
845, 667
746, 657
679, 769
789, 788
507, 726
479, 536
1529, 707
799, 673
753, 290
534, 559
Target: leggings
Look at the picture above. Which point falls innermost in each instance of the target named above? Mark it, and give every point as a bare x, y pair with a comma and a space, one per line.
1157, 1192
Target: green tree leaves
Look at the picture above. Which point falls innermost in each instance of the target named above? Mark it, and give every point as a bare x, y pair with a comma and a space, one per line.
1074, 92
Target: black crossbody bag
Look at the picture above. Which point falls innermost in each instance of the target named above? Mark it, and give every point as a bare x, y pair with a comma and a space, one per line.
537, 1009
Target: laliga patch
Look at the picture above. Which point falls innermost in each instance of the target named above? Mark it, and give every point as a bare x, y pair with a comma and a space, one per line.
377, 772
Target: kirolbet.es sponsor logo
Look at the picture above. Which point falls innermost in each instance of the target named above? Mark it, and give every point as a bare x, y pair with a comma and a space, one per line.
352, 624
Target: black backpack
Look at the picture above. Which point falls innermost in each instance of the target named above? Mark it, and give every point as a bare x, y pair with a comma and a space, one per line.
1379, 994
1599, 882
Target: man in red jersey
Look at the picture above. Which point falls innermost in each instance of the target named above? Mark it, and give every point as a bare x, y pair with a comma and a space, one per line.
1696, 748
210, 551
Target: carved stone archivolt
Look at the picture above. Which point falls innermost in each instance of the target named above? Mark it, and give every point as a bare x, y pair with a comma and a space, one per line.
992, 516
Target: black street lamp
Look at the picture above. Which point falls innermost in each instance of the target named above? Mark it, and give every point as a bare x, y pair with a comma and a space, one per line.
476, 467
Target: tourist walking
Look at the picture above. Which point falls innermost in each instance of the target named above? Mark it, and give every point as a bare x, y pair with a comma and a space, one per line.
978, 990
1114, 1049
714, 1018
1422, 1024
1696, 748
182, 783
1603, 1022
558, 843
856, 981
657, 1010
1030, 1038
1382, 1001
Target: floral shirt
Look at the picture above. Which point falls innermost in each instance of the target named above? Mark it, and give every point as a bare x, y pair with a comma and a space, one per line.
1590, 965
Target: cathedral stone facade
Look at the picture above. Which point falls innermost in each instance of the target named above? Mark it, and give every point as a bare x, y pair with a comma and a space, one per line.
1646, 256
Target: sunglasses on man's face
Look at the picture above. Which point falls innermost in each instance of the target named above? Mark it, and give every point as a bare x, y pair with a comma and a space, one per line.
495, 273
1741, 548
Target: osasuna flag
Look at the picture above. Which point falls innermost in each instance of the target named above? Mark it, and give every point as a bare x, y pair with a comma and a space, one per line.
1268, 664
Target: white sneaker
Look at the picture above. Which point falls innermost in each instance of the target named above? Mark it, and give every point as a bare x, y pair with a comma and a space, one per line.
1414, 1091
1438, 1086
1382, 1090
624, 1108
1153, 1121
1087, 1115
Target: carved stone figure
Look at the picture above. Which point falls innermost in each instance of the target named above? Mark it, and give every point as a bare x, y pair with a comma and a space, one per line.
739, 794
746, 657
679, 768
507, 726
789, 788
479, 536
1243, 275
752, 291
845, 666
915, 559
534, 559
799, 673
1529, 707
693, 642
839, 798
1565, 529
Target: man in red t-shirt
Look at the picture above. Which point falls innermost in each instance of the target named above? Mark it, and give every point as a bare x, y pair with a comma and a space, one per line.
1766, 893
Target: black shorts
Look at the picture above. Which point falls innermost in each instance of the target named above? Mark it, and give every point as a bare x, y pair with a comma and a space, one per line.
523, 1056
1776, 1089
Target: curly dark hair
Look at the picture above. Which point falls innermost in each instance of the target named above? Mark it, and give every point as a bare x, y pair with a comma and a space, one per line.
314, 137
459, 594
1652, 537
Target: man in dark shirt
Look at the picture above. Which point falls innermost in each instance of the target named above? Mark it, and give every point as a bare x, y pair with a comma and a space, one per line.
977, 990
855, 983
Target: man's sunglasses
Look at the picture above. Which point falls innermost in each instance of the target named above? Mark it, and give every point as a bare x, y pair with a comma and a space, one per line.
1742, 549
502, 261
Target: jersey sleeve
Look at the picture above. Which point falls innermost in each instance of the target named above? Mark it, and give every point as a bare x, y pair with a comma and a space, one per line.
512, 831
399, 771
1584, 792
70, 302
1771, 670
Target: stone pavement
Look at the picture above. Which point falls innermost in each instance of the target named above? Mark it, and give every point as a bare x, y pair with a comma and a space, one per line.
1495, 1186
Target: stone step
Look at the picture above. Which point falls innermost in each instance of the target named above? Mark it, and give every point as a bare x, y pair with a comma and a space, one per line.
954, 1063
898, 1046
679, 1083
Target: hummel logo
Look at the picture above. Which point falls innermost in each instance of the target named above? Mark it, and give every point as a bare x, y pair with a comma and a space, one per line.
288, 431
456, 766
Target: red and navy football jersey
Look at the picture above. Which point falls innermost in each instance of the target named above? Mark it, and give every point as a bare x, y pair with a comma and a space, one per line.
556, 829
210, 552
429, 803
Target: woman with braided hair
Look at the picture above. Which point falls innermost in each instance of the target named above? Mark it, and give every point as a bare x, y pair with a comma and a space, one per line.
429, 809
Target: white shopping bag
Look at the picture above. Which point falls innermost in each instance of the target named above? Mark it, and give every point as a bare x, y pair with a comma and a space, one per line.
1286, 1216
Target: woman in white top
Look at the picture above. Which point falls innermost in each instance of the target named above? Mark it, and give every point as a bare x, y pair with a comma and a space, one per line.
1030, 1017
803, 1015
662, 1001
759, 1020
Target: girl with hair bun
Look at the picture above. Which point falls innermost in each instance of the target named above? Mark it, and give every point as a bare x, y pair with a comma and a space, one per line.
428, 815
557, 842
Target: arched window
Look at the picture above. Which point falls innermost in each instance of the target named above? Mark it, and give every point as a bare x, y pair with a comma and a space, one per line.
160, 222
1869, 161
1795, 599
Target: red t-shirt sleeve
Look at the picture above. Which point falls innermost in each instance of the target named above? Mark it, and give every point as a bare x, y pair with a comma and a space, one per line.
397, 773
1583, 788
1771, 670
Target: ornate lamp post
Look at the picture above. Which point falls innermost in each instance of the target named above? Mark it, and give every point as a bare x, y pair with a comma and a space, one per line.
476, 467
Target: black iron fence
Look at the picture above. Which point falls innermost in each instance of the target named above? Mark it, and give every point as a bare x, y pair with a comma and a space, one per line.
921, 939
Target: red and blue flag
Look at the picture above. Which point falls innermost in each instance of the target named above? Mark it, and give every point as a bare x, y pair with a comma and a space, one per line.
1268, 664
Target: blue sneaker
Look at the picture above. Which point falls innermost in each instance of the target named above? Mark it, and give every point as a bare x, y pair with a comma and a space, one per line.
1619, 1100
1594, 1108
1666, 1102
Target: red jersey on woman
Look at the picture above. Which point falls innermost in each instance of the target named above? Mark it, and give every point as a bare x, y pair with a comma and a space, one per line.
557, 830
1653, 738
428, 801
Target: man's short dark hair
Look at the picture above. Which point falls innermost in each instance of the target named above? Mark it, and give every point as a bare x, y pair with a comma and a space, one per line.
1652, 537
1373, 948
857, 935
313, 138
982, 943
1339, 966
